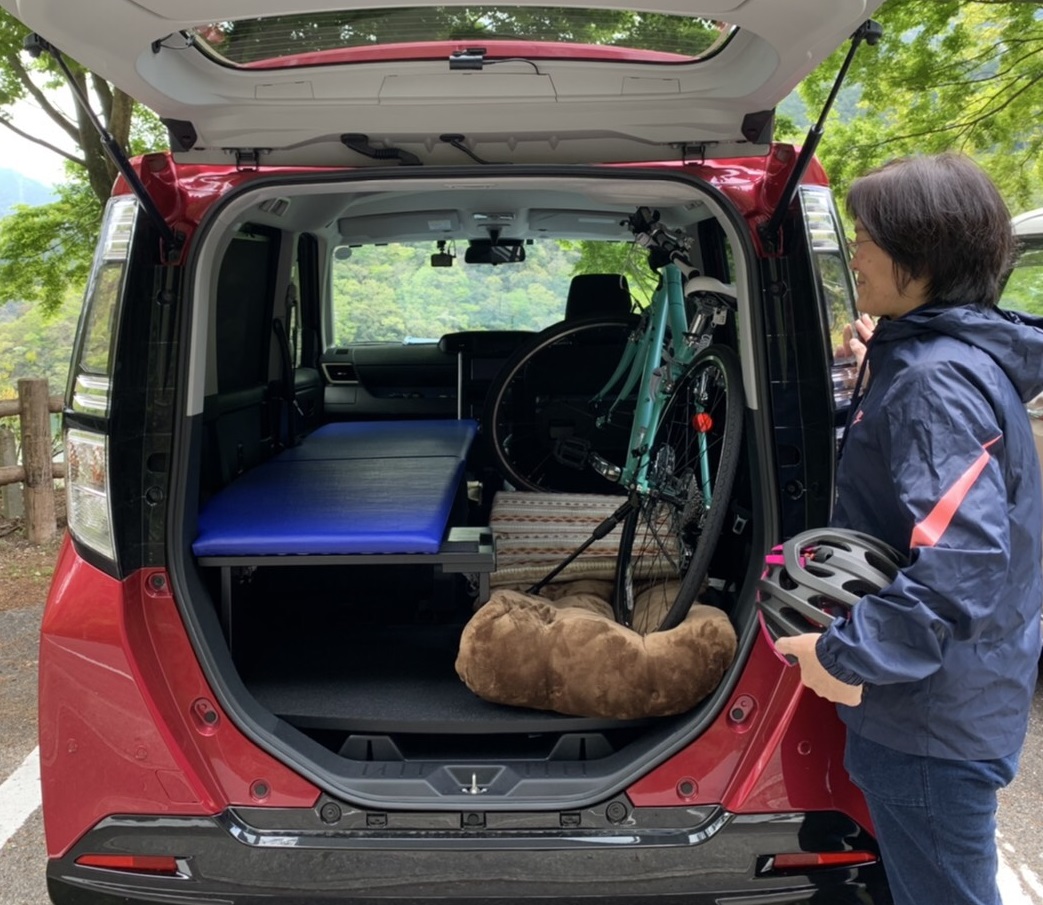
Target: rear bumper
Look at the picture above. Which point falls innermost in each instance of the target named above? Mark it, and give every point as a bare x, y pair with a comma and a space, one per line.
223, 859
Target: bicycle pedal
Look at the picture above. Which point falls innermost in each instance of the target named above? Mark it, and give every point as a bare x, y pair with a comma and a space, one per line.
572, 452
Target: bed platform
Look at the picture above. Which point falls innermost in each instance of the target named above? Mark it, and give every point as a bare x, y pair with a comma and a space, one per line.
351, 493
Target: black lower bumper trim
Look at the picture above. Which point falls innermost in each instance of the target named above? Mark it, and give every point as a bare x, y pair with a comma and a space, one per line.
223, 862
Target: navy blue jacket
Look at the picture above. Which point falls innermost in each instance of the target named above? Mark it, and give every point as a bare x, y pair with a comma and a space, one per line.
939, 461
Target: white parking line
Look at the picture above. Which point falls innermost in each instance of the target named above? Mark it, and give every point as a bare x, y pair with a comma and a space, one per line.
1011, 890
1032, 882
1017, 886
19, 796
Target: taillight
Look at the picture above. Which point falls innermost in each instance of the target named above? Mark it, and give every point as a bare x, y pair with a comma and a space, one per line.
88, 397
87, 490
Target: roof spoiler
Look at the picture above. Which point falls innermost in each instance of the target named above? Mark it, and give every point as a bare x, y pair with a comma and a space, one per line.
870, 32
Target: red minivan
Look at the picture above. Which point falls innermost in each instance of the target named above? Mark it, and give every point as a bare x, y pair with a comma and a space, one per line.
284, 485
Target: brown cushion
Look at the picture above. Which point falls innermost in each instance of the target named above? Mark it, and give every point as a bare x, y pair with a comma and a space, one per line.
569, 655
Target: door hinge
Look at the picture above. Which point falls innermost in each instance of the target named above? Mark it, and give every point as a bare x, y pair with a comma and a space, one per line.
248, 159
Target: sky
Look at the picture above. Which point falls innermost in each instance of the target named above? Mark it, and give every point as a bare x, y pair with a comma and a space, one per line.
31, 159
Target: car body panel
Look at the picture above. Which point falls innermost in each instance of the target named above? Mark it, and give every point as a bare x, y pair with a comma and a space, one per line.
121, 689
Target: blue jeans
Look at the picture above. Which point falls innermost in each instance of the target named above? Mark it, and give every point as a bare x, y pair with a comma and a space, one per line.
935, 821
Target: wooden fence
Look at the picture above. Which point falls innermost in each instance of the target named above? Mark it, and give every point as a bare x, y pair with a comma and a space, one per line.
29, 487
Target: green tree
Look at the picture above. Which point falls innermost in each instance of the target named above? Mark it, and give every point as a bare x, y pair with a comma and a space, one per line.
45, 249
961, 75
33, 344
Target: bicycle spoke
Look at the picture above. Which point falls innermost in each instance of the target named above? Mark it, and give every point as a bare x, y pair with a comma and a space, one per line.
539, 419
669, 539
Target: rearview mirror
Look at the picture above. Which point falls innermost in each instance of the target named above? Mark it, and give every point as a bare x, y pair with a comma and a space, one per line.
504, 251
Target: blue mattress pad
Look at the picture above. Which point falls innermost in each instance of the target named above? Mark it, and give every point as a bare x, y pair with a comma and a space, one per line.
351, 488
385, 440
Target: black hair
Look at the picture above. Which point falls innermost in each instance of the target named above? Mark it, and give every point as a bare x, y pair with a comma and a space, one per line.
941, 218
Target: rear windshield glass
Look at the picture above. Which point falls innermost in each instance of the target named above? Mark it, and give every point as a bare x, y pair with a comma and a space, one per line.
422, 32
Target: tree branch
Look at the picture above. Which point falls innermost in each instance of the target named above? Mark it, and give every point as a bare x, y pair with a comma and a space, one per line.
30, 86
39, 141
987, 110
961, 127
104, 95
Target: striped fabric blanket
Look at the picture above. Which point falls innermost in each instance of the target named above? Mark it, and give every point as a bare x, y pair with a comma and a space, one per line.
534, 532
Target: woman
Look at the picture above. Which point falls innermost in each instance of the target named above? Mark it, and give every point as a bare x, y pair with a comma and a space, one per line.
935, 675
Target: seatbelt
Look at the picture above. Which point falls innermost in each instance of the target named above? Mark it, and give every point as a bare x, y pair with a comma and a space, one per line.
286, 394
294, 319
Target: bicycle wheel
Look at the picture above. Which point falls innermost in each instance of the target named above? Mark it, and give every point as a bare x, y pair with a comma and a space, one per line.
538, 418
668, 539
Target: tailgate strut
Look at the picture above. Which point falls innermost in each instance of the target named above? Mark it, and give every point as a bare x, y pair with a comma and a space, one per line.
870, 32
36, 45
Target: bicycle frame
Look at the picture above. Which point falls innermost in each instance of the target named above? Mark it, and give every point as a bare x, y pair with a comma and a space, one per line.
654, 365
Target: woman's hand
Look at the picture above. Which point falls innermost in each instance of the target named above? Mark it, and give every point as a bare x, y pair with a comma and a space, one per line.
814, 675
856, 335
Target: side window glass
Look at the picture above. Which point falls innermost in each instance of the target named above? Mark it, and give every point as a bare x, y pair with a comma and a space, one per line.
833, 278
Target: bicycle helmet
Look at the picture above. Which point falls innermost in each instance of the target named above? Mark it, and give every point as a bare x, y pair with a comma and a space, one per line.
820, 574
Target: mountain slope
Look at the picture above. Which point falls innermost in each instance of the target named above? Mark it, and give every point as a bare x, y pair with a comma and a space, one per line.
18, 189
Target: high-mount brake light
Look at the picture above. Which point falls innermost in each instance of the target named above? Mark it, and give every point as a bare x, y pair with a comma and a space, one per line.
86, 442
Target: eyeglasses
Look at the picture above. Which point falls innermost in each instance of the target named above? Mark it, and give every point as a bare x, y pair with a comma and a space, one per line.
852, 245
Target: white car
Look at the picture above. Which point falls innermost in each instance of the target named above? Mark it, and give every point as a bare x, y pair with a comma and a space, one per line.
1024, 287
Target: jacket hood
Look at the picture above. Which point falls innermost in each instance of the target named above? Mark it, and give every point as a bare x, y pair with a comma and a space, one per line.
1012, 339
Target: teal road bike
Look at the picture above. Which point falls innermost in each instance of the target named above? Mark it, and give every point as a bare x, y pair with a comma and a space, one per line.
649, 406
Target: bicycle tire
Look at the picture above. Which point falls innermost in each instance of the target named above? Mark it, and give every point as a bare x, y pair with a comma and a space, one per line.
539, 403
670, 535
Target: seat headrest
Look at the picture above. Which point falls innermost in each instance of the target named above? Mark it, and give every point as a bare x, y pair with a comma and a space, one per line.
483, 343
593, 294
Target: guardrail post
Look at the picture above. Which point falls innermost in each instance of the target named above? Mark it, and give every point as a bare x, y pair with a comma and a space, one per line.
40, 524
12, 493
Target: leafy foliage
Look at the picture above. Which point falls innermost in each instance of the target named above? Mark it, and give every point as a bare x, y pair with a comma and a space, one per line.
35, 344
390, 293
45, 249
948, 74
